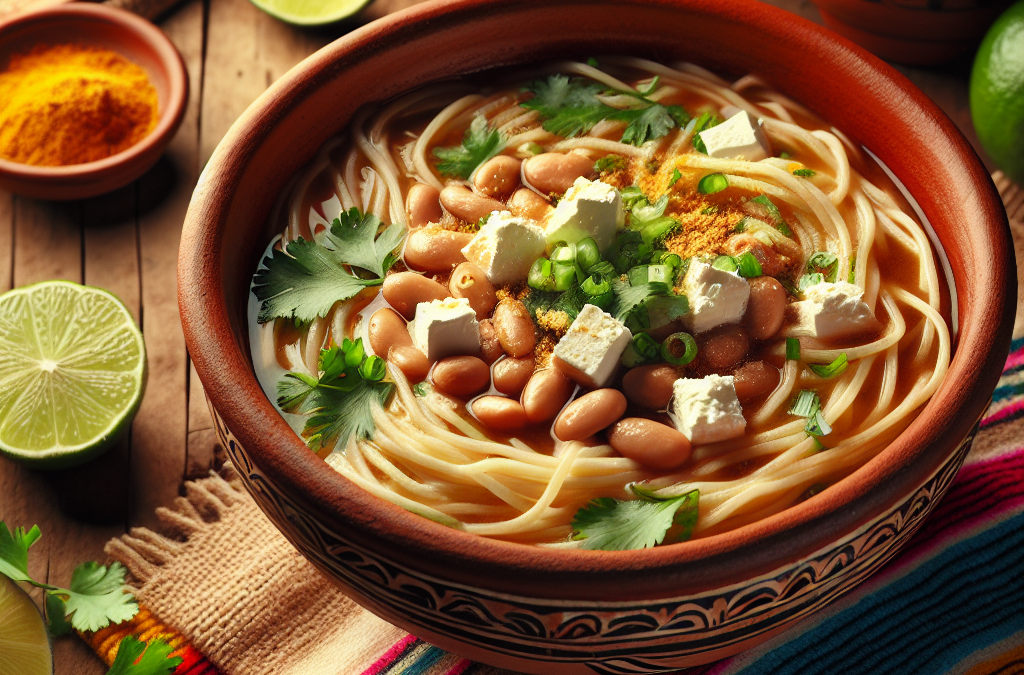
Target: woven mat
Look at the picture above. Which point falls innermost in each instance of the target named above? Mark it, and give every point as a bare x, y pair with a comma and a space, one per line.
223, 585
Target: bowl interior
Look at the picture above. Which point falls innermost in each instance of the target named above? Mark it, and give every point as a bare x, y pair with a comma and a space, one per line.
227, 229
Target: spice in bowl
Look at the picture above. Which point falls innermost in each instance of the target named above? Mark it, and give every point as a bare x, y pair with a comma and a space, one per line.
68, 104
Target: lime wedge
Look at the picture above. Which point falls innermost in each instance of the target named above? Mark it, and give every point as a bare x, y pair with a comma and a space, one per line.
310, 12
72, 372
24, 642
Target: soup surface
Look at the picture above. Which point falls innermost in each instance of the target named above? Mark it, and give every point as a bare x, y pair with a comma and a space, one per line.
612, 304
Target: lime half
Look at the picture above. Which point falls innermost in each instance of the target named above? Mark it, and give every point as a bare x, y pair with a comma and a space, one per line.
72, 372
310, 12
24, 642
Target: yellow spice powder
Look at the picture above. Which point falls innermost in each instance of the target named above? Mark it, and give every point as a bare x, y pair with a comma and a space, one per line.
69, 104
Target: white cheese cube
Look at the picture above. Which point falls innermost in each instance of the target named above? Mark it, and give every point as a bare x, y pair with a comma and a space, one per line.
740, 136
716, 297
445, 328
830, 311
591, 348
505, 247
589, 209
707, 410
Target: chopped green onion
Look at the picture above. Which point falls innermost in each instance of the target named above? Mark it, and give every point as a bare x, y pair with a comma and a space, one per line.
666, 258
646, 346
824, 263
712, 183
587, 254
792, 349
806, 404
748, 266
808, 280
817, 425
650, 274
563, 252
565, 276
373, 369
837, 367
741, 226
541, 275
675, 343
804, 173
631, 196
726, 263
782, 227
599, 291
676, 175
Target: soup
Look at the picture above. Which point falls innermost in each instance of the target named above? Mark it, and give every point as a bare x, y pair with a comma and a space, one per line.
612, 304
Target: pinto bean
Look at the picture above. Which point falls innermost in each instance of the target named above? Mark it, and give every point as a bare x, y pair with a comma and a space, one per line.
723, 347
386, 330
650, 386
514, 327
498, 176
405, 290
589, 414
423, 204
502, 414
490, 347
755, 379
467, 205
413, 363
545, 394
766, 308
511, 375
462, 376
469, 281
650, 443
435, 249
526, 203
555, 172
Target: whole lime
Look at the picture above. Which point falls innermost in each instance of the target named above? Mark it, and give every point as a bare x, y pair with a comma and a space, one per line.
997, 92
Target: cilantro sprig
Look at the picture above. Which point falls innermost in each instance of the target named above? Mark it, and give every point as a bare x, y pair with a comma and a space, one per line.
341, 400
608, 524
135, 657
571, 107
479, 144
305, 281
95, 598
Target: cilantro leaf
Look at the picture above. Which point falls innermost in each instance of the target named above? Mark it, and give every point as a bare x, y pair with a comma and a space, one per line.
479, 144
14, 551
95, 598
613, 525
354, 236
156, 658
56, 615
628, 298
304, 283
645, 123
340, 402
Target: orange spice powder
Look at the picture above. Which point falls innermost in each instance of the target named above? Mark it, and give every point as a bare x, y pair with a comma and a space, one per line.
69, 104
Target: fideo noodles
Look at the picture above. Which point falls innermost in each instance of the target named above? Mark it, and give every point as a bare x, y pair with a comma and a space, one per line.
611, 304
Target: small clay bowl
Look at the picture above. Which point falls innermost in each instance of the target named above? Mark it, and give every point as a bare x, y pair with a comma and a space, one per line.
542, 610
139, 41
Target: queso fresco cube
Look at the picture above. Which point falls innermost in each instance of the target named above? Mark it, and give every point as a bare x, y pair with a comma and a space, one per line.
707, 410
505, 248
590, 350
589, 209
739, 137
445, 328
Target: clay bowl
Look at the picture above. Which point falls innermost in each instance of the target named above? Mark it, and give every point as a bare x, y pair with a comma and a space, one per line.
134, 38
912, 32
540, 610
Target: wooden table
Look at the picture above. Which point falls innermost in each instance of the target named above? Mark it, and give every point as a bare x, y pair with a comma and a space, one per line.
127, 242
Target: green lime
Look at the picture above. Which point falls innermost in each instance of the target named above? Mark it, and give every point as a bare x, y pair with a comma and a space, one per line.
72, 372
24, 642
997, 92
310, 12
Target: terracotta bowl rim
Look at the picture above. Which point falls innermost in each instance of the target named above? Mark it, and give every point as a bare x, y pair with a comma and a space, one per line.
285, 460
171, 114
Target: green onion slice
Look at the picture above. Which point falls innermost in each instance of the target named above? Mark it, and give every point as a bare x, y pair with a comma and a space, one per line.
748, 265
792, 349
646, 346
725, 263
712, 183
817, 425
806, 404
565, 276
679, 349
563, 252
373, 369
837, 367
587, 254
541, 275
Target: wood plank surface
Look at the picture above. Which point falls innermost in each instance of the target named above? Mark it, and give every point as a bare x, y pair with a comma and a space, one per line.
127, 242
